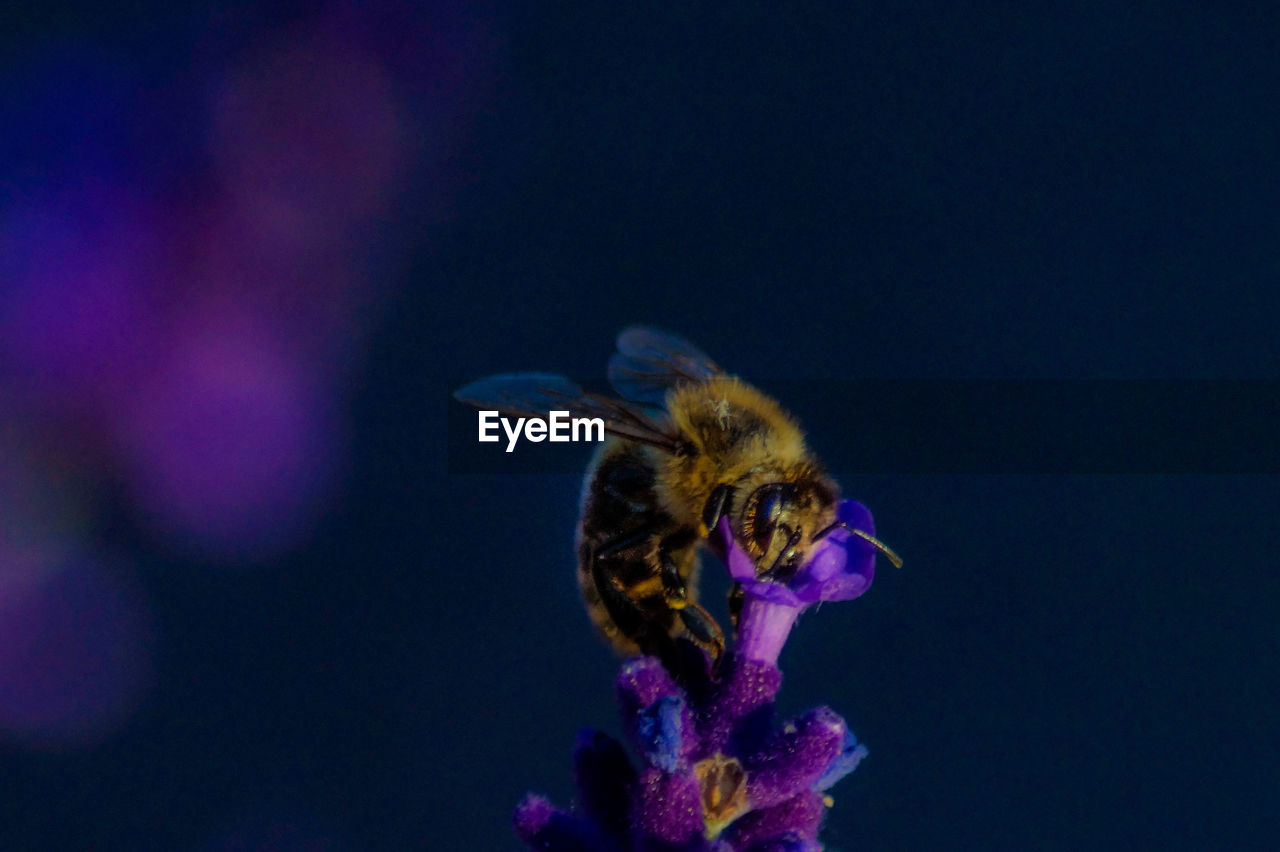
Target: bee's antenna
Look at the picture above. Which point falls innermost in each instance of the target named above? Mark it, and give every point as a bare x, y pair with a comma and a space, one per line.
880, 546
868, 538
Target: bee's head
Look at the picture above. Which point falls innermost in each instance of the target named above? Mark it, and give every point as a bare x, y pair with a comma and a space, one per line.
779, 522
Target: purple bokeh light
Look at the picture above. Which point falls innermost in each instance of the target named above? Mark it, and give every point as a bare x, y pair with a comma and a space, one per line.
73, 313
75, 650
307, 134
189, 275
229, 444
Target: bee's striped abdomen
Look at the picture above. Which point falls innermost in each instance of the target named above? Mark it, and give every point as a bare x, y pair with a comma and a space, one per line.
621, 534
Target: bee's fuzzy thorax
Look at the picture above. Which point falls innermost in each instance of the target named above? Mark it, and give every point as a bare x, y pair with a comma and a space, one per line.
737, 433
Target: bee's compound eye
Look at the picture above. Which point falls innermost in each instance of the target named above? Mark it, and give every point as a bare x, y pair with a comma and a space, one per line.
763, 520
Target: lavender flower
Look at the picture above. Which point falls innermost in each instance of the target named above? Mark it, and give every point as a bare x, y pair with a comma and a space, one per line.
717, 774
840, 568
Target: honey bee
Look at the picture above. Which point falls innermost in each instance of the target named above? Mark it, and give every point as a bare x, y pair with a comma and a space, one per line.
688, 446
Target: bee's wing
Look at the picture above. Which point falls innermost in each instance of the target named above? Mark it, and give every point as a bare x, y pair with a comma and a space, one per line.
538, 394
650, 362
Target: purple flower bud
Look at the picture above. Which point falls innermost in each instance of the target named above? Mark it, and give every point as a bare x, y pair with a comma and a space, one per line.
659, 718
797, 818
719, 777
659, 729
789, 842
851, 754
542, 826
741, 702
796, 758
668, 807
605, 779
641, 682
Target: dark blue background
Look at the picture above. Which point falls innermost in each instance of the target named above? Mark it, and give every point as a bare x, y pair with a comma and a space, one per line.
930, 190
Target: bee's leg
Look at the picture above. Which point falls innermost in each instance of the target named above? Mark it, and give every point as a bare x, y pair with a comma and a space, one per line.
703, 629
619, 597
701, 626
672, 574
673, 588
621, 543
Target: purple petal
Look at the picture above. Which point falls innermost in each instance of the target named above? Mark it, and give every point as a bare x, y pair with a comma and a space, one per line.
840, 568
851, 754
855, 515
763, 628
659, 732
743, 569
842, 565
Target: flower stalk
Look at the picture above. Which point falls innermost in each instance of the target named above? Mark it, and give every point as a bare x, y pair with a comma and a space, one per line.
717, 774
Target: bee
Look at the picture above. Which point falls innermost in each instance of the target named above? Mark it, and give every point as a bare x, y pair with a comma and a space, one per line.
686, 447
